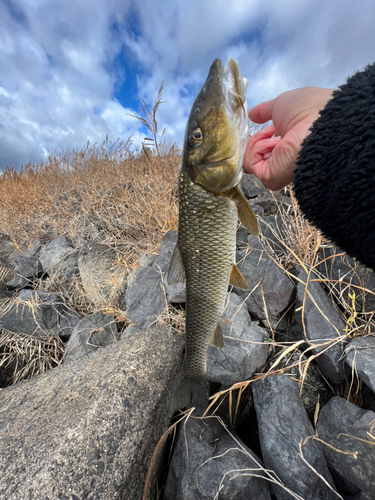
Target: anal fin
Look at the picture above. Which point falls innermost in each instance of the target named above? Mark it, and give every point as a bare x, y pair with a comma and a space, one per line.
176, 273
217, 338
237, 279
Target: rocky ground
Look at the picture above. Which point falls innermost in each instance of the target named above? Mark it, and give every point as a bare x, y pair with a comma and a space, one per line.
292, 411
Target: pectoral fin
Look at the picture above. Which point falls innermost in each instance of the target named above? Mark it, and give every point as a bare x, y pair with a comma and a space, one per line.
245, 213
217, 338
237, 279
176, 273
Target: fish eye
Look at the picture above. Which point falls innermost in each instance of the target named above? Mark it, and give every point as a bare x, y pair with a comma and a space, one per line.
197, 136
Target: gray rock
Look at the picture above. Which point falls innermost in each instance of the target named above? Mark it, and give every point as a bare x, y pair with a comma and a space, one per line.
245, 346
314, 387
8, 249
17, 283
360, 356
271, 203
34, 249
103, 275
80, 242
323, 324
148, 287
70, 266
7, 273
265, 279
176, 292
339, 424
348, 276
145, 260
145, 300
207, 459
38, 314
93, 331
26, 269
130, 331
58, 317
259, 195
252, 187
368, 398
87, 429
67, 268
241, 237
274, 233
52, 254
283, 424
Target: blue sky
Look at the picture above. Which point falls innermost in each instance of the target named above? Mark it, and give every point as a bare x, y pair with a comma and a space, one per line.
72, 71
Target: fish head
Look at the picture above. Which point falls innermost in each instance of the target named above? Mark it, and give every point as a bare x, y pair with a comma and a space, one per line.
217, 130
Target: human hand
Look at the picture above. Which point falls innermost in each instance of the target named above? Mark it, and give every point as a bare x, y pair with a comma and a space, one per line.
272, 159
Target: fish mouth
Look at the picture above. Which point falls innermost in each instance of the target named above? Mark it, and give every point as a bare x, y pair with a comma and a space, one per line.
234, 85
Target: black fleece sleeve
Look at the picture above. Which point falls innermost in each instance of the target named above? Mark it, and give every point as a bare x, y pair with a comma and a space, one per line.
335, 175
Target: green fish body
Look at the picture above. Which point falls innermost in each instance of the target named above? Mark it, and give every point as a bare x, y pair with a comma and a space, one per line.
210, 204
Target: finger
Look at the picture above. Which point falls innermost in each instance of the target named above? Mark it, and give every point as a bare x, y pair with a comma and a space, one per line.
262, 113
265, 133
257, 152
263, 147
272, 162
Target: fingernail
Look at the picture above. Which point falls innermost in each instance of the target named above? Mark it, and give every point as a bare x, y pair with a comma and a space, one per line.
277, 138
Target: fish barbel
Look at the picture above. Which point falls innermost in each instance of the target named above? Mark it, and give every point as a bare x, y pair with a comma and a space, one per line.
210, 204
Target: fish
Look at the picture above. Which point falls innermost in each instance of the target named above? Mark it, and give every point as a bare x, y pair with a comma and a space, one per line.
210, 204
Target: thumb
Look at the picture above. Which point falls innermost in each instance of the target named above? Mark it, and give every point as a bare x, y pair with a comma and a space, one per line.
262, 113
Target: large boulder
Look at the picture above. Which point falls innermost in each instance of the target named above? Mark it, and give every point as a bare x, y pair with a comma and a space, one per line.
350, 430
87, 429
283, 427
324, 326
207, 459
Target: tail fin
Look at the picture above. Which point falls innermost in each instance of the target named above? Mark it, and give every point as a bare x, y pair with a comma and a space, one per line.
188, 390
181, 395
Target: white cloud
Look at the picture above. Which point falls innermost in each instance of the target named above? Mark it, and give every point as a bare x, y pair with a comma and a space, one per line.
57, 80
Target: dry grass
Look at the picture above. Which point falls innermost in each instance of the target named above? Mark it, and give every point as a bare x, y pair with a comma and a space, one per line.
114, 194
22, 357
125, 196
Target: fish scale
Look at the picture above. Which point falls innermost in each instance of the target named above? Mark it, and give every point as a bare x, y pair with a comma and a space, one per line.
208, 255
